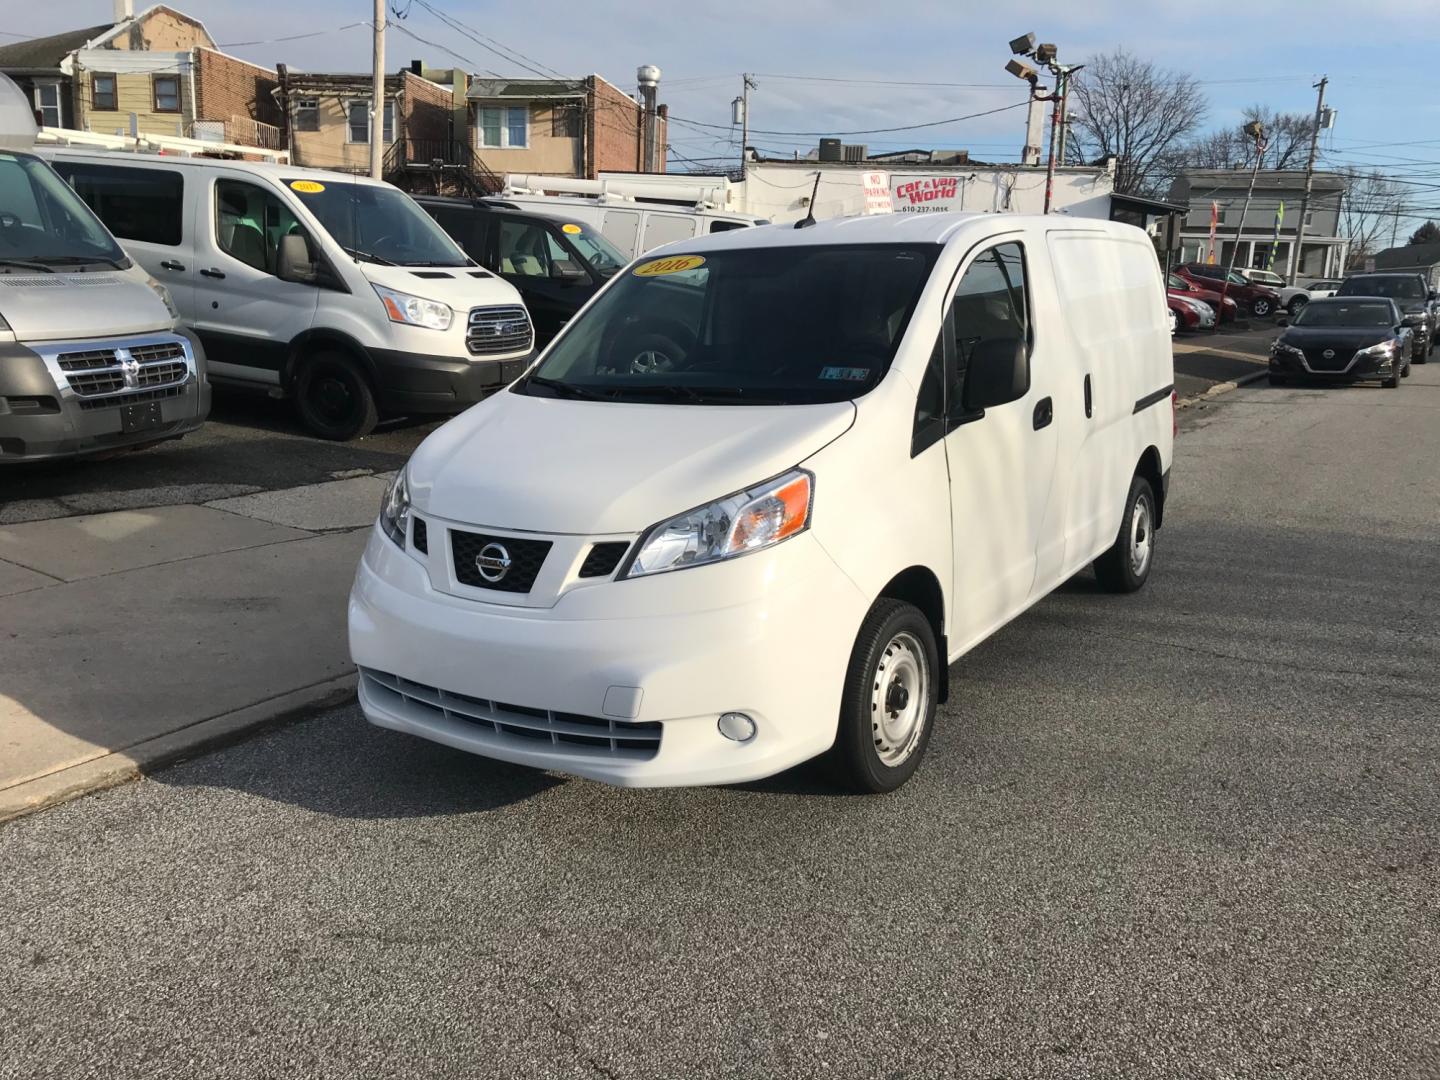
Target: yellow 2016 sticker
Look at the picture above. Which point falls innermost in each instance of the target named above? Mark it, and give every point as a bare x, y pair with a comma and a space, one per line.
573, 230
675, 264
307, 187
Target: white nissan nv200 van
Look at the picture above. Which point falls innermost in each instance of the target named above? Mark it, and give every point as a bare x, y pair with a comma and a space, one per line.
335, 290
91, 356
764, 488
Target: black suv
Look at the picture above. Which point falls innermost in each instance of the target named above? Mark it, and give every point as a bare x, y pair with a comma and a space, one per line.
1412, 295
556, 263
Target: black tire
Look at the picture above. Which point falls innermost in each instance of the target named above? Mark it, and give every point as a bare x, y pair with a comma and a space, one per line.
897, 636
1405, 371
1116, 571
334, 398
1296, 303
1261, 307
1392, 382
1276, 380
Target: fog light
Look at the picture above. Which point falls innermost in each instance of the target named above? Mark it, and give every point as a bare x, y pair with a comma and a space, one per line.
736, 726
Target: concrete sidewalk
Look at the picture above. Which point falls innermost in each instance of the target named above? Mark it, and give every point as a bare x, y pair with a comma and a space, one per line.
134, 636
1211, 363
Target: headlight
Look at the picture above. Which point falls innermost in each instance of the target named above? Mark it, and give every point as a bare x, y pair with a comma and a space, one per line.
1385, 348
395, 508
1280, 347
165, 297
738, 524
414, 310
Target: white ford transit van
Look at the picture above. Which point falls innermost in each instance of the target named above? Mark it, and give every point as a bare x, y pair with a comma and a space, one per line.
91, 356
335, 290
764, 488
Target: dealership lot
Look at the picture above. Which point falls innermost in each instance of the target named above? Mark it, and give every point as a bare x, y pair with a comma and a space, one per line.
1191, 831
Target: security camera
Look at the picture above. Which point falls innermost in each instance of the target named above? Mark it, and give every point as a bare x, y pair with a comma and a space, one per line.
1022, 45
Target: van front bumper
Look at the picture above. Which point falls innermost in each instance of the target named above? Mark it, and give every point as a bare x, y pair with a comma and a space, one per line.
416, 383
611, 654
42, 418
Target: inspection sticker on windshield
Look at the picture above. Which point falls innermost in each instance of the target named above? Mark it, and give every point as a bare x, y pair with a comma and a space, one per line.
308, 187
676, 264
573, 230
845, 374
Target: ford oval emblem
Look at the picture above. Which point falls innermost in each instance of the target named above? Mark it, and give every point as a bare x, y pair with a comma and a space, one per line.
493, 562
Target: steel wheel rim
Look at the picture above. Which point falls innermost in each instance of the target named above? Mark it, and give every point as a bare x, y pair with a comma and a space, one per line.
1142, 537
900, 689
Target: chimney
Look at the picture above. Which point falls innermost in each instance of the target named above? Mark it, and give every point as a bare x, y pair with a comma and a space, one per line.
417, 67
648, 75
124, 9
1034, 131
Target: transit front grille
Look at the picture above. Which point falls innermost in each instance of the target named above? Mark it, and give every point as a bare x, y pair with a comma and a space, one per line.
1318, 361
495, 330
604, 558
520, 726
515, 562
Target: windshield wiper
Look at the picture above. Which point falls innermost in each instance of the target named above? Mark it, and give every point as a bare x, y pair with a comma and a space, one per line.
564, 389
705, 395
80, 260
28, 265
355, 253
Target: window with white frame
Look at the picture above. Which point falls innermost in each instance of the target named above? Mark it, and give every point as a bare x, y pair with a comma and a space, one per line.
504, 126
47, 103
358, 121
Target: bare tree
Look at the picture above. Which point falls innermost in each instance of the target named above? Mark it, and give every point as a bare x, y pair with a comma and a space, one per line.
1287, 143
1138, 113
1368, 212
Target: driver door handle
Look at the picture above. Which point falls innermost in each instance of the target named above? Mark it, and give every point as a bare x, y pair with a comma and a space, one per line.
212, 273
171, 264
1044, 413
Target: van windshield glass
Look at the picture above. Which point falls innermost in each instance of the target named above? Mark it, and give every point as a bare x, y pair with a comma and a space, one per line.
604, 256
753, 326
44, 224
377, 223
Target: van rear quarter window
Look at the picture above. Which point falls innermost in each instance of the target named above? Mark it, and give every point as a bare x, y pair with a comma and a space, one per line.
135, 204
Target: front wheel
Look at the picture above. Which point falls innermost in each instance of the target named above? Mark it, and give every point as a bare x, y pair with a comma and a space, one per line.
1126, 566
1262, 307
1393, 382
888, 707
1296, 304
334, 398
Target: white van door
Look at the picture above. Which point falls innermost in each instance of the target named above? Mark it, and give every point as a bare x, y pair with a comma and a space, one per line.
245, 315
662, 228
1001, 459
622, 228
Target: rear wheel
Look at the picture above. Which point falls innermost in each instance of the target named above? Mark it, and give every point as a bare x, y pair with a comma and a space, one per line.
334, 398
1296, 303
1126, 566
888, 706
1262, 307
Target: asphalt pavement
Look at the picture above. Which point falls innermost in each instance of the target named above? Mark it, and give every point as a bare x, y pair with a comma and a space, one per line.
1193, 832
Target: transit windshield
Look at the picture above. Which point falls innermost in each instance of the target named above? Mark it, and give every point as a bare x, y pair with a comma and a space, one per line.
44, 225
749, 326
377, 223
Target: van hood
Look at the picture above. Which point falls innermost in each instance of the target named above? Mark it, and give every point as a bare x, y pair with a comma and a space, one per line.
62, 307
457, 286
589, 467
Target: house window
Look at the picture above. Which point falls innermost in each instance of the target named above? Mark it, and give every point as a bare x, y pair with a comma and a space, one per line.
358, 114
167, 92
307, 114
47, 104
102, 93
565, 122
505, 127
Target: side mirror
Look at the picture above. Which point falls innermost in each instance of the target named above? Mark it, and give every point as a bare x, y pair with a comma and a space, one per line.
296, 262
565, 271
999, 372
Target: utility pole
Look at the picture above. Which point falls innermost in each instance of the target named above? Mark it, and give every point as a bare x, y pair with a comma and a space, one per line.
748, 85
1295, 252
377, 95
1064, 109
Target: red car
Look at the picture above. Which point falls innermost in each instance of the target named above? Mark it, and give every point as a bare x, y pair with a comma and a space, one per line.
1176, 285
1259, 300
1188, 314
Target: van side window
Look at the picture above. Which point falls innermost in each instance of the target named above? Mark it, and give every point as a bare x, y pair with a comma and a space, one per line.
667, 228
930, 401
134, 204
249, 223
527, 249
992, 303
726, 226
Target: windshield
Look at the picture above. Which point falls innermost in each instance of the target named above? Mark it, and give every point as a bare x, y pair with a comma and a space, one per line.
1322, 313
604, 256
377, 223
1177, 282
1399, 287
754, 326
44, 224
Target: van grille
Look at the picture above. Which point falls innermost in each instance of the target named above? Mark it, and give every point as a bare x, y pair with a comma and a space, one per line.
604, 558
164, 350
114, 401
526, 558
515, 725
81, 361
98, 372
495, 330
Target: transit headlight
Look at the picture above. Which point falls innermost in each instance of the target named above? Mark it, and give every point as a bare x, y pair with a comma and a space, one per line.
395, 508
414, 310
749, 520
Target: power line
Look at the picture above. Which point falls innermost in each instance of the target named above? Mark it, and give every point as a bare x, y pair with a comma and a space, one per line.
867, 131
505, 52
292, 37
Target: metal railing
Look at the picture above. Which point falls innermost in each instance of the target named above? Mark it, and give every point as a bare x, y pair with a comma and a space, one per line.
451, 159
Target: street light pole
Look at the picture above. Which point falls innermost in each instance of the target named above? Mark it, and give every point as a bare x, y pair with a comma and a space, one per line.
1256, 132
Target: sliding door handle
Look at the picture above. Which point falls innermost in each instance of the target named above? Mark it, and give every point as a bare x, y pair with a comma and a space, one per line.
1089, 401
212, 273
171, 264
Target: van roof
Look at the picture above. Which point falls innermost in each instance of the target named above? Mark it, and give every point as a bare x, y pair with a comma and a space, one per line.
935, 228
258, 168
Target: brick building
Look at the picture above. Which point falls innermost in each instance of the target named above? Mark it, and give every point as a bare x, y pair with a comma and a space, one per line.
238, 99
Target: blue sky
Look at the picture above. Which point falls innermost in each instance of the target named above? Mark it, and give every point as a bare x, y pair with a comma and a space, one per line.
1380, 56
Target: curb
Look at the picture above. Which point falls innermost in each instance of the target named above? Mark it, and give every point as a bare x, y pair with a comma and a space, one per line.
132, 762
1220, 388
